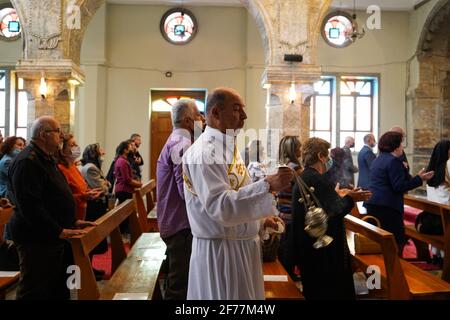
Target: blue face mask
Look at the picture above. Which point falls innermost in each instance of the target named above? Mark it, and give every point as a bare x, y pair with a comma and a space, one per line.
15, 152
328, 164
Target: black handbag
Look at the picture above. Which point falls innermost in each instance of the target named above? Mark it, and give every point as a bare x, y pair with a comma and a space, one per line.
429, 223
270, 247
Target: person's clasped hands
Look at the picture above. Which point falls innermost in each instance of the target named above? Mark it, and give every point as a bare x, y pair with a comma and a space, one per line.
93, 194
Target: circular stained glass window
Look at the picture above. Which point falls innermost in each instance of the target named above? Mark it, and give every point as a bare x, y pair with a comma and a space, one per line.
178, 26
336, 28
10, 27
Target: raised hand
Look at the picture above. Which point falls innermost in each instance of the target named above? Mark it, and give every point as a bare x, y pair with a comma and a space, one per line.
425, 176
281, 180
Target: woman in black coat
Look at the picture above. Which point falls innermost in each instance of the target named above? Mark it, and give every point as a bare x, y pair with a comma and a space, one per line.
326, 272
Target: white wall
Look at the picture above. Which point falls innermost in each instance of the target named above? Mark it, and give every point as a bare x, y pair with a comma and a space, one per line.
10, 52
137, 56
90, 111
255, 96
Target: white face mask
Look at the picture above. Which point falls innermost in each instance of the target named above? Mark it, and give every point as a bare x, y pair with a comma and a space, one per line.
75, 152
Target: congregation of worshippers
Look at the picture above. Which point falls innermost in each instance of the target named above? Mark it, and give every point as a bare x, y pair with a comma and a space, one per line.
226, 216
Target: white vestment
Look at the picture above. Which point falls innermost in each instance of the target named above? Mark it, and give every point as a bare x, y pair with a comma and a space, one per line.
224, 210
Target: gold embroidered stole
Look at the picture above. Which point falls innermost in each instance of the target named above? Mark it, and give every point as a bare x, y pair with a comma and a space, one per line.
237, 173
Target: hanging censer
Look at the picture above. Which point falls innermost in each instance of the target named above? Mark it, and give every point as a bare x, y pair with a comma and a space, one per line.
316, 220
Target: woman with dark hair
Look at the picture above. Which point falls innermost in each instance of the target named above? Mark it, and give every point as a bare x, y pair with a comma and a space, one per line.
81, 192
67, 157
92, 160
91, 171
438, 187
326, 272
388, 183
125, 184
8, 151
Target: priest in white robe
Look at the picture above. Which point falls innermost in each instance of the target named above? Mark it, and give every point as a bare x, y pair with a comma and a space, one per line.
225, 208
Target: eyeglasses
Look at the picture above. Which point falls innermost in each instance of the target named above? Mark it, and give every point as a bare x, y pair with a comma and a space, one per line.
58, 130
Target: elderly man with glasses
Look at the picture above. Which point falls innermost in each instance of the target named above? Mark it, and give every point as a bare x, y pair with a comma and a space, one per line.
44, 215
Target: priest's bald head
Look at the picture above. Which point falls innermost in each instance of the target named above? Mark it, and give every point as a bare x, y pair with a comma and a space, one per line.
225, 110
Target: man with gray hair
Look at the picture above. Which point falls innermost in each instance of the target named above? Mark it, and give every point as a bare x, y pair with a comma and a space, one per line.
171, 208
44, 215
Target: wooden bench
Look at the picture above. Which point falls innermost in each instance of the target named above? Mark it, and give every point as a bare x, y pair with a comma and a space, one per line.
400, 279
145, 198
279, 290
6, 282
421, 241
139, 272
126, 271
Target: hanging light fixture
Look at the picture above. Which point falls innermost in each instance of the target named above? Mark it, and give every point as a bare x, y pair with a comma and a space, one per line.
292, 93
43, 87
355, 34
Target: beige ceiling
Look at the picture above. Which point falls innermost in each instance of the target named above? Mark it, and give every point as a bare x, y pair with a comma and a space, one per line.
345, 4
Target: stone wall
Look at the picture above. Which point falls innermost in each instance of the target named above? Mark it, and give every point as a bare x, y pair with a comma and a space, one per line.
431, 104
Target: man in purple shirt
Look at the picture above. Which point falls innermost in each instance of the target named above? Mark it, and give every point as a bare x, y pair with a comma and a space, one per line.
172, 217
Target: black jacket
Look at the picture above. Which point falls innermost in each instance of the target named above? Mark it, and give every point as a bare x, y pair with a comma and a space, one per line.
44, 204
326, 273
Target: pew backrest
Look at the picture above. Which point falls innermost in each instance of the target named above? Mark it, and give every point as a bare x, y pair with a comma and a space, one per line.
397, 287
145, 198
107, 225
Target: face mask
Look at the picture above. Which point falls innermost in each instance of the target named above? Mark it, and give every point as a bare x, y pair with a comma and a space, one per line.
328, 164
15, 152
101, 159
75, 152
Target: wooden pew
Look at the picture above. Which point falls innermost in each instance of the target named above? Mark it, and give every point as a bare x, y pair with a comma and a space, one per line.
6, 282
280, 290
124, 268
421, 241
139, 272
401, 279
145, 198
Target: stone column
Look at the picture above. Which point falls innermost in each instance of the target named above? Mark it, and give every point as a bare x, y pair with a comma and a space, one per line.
286, 117
61, 78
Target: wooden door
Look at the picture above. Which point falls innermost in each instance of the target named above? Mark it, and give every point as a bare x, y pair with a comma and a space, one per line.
161, 128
